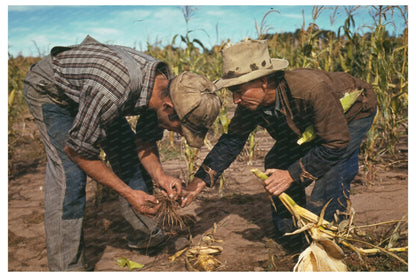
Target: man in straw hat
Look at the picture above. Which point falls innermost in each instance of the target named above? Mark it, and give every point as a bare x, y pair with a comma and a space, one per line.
79, 97
286, 103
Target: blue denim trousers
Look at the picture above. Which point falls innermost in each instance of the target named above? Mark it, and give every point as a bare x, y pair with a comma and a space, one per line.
65, 182
335, 184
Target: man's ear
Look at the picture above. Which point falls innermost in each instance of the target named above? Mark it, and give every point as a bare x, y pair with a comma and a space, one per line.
264, 83
167, 105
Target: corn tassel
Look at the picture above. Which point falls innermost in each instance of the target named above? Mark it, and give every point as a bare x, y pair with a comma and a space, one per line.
346, 101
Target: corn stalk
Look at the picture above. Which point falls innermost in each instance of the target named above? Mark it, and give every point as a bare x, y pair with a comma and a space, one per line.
327, 233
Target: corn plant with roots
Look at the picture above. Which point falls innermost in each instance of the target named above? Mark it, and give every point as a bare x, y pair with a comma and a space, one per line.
324, 253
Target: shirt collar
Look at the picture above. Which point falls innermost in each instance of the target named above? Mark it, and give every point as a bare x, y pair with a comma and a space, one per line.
272, 110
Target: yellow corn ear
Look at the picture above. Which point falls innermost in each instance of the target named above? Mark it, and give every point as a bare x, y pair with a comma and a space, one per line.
316, 258
290, 204
347, 101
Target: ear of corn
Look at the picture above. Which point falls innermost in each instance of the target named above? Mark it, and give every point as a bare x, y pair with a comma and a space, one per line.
11, 97
323, 254
291, 205
347, 101
316, 258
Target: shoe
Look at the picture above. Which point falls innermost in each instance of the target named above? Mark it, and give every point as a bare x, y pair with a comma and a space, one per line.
181, 243
155, 239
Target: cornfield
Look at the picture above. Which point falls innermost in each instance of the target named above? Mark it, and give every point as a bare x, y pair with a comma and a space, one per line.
375, 56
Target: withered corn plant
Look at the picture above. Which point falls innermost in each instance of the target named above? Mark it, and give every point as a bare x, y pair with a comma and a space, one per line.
367, 52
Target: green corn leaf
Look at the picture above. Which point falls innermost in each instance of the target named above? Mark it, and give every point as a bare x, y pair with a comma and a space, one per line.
122, 262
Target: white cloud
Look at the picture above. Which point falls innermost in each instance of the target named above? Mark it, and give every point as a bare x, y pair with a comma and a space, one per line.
20, 8
104, 31
168, 12
136, 14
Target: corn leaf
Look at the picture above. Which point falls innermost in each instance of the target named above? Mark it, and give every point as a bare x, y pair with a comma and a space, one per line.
122, 262
347, 101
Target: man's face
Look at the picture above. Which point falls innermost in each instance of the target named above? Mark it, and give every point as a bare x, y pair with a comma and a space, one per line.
168, 119
249, 95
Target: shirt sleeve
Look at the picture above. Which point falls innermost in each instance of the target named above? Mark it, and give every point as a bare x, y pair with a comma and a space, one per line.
221, 156
229, 145
95, 110
315, 163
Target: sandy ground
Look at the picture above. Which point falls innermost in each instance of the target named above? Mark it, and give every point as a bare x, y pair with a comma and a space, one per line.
242, 214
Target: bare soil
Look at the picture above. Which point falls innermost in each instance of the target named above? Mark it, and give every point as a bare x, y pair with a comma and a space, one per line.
241, 212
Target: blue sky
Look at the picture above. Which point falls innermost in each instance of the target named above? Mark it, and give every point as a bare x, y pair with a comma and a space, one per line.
35, 29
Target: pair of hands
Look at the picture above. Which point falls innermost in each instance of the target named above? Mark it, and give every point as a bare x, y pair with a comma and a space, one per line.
278, 182
148, 204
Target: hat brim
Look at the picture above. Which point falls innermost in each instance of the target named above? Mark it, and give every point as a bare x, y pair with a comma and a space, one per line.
277, 64
194, 137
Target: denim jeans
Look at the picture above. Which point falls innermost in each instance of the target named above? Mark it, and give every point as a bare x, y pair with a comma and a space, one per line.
335, 184
65, 182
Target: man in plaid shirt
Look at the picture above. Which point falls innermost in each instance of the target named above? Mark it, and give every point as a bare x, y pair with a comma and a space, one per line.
79, 97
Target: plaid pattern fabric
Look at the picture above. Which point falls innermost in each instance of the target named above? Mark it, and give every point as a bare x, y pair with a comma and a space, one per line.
95, 78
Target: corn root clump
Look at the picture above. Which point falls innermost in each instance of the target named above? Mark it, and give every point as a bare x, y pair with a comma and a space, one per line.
168, 215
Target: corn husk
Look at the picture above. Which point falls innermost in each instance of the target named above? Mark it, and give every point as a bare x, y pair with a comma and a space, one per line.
324, 235
316, 258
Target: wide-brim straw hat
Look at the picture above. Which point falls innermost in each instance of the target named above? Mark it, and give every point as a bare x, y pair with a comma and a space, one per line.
247, 61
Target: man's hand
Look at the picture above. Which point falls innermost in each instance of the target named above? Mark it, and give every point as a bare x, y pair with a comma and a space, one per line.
278, 181
143, 203
189, 192
172, 186
149, 157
